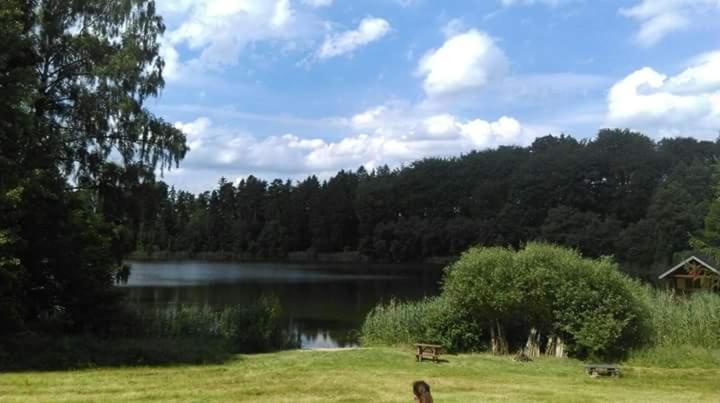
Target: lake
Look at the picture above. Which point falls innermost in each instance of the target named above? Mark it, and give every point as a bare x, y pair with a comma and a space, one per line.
323, 304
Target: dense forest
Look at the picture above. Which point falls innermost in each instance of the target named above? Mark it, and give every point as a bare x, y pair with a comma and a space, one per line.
619, 194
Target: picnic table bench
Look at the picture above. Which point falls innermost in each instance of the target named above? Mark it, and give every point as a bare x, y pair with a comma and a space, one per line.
602, 369
427, 351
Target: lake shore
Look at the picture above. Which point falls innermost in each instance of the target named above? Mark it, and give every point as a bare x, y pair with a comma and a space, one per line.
361, 375
339, 260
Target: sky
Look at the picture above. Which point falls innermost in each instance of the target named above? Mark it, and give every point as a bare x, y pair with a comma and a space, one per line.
289, 88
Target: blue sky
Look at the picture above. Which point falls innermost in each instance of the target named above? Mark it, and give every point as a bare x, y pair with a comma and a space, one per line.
288, 88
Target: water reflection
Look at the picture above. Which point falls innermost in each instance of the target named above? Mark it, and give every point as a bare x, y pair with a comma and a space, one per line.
324, 306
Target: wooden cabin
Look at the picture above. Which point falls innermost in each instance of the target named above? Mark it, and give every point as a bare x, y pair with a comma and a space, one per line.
692, 274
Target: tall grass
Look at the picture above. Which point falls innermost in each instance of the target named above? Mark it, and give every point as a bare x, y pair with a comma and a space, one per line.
180, 321
250, 328
431, 320
675, 356
148, 336
677, 320
398, 323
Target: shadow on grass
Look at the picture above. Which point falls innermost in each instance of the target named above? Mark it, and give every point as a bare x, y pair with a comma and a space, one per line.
45, 353
431, 361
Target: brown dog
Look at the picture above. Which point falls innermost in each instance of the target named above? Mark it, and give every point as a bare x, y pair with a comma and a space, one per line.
421, 390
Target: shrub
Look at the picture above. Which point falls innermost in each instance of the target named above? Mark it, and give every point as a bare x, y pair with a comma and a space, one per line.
246, 329
141, 336
180, 321
550, 291
397, 323
253, 328
587, 303
428, 321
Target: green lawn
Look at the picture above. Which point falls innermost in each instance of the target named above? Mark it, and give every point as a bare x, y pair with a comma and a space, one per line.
373, 375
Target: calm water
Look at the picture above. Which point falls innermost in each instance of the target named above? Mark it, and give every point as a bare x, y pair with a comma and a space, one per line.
323, 304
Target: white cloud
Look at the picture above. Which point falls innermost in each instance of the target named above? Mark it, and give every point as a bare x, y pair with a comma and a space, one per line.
194, 131
659, 18
405, 3
173, 66
483, 133
441, 125
701, 74
454, 27
368, 118
370, 30
551, 3
400, 134
318, 3
282, 14
388, 134
465, 61
218, 31
687, 103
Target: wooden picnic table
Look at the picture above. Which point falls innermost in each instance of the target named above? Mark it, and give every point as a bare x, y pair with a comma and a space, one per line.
428, 351
602, 369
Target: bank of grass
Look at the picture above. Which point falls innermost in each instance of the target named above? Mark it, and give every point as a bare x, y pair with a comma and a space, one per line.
680, 356
362, 375
185, 334
42, 352
596, 310
677, 320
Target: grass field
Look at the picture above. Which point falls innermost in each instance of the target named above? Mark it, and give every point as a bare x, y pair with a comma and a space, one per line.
372, 375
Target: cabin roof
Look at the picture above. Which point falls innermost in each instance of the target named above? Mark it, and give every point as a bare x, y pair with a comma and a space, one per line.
684, 262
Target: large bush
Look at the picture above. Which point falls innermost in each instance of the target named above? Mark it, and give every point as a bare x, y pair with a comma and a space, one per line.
499, 297
586, 304
430, 321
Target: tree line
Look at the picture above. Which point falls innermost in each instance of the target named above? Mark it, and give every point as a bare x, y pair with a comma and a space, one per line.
619, 193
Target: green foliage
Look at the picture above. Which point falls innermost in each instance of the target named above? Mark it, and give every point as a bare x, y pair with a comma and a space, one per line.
598, 311
75, 77
675, 356
150, 336
588, 303
254, 328
16, 82
683, 320
708, 240
179, 321
42, 352
251, 328
585, 231
10, 315
400, 323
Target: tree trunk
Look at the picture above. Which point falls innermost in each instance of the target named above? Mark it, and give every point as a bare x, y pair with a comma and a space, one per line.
555, 347
498, 342
532, 347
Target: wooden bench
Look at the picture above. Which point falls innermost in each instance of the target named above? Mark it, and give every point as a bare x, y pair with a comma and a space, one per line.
595, 370
427, 351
